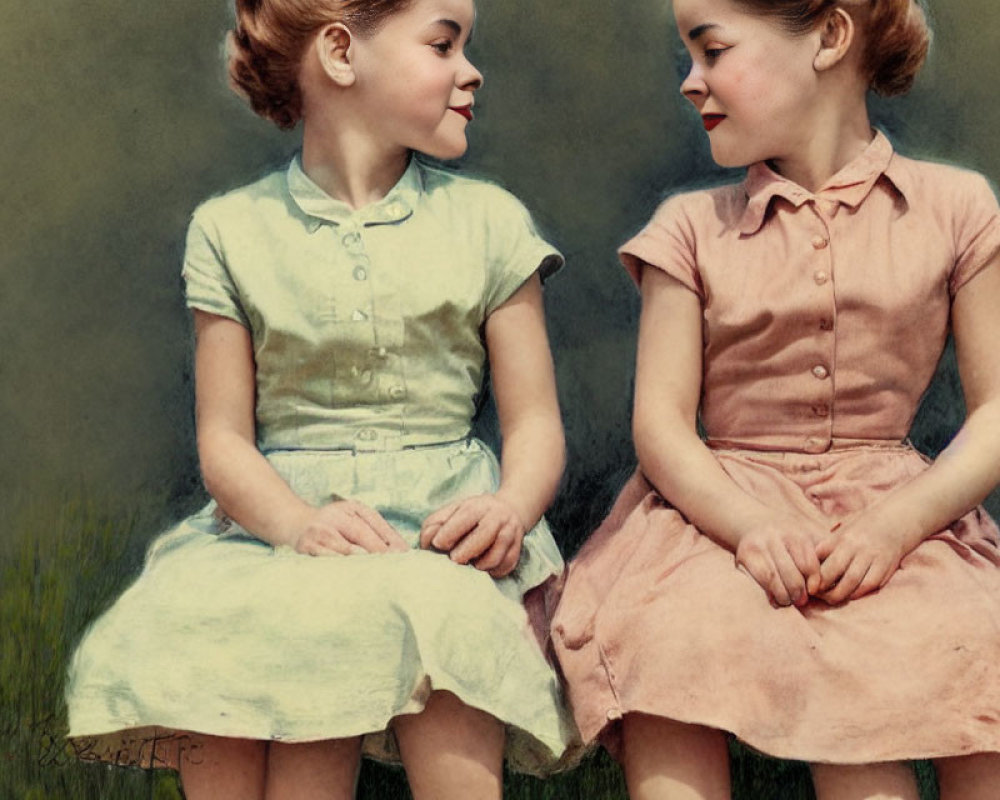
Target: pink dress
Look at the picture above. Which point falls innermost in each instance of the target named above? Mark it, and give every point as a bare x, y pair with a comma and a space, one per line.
824, 318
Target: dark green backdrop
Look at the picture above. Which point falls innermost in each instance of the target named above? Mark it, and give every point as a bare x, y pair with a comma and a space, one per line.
117, 122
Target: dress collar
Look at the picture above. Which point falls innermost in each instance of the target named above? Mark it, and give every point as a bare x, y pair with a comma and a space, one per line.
850, 186
398, 204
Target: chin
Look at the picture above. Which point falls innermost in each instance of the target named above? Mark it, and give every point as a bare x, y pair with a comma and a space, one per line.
446, 153
727, 158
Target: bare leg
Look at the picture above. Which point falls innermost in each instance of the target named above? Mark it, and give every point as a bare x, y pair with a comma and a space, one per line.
451, 751
669, 760
887, 781
219, 768
975, 777
325, 770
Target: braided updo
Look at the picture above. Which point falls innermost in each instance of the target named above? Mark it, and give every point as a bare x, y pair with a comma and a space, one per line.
265, 47
896, 36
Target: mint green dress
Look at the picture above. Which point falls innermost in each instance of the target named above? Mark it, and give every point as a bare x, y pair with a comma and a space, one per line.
367, 328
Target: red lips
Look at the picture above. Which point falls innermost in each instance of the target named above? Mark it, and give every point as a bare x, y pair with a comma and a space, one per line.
465, 111
711, 120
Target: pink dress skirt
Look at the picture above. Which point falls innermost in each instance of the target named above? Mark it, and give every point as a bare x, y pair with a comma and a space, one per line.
824, 317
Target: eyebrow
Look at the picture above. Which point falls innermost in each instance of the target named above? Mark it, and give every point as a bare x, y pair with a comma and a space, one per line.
453, 26
699, 30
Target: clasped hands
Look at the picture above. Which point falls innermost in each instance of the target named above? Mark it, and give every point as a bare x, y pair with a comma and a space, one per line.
485, 531
794, 558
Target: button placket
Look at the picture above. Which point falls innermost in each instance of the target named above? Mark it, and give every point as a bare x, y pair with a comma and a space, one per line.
358, 268
819, 411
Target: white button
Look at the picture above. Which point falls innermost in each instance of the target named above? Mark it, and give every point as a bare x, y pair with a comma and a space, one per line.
820, 371
358, 315
366, 435
821, 277
397, 392
819, 242
360, 274
351, 239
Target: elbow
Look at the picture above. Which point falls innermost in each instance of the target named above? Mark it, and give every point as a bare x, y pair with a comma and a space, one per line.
216, 450
657, 435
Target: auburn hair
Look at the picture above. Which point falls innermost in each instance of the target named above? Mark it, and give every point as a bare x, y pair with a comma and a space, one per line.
264, 49
896, 35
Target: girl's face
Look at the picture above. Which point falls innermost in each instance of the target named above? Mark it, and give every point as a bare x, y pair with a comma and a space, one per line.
415, 83
752, 81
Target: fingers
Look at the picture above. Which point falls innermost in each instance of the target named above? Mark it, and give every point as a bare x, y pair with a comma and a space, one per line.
477, 541
382, 529
875, 579
852, 579
807, 563
788, 585
772, 566
760, 567
826, 546
433, 522
836, 560
462, 520
346, 527
321, 542
357, 530
482, 531
503, 554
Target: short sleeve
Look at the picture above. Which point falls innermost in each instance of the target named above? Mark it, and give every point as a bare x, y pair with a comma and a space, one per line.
977, 232
666, 243
209, 284
517, 251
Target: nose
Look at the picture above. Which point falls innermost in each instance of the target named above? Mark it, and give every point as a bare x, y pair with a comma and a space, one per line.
693, 87
469, 78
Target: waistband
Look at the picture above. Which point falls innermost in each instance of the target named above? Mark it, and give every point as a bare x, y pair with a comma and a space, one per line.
383, 443
841, 445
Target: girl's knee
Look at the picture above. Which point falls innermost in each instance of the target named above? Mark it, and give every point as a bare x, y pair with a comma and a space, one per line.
882, 781
973, 777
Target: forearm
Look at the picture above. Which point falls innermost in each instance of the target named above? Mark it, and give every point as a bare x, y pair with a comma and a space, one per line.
248, 489
686, 474
532, 461
961, 477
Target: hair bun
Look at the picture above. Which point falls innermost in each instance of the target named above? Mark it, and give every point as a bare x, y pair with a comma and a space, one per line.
259, 74
898, 41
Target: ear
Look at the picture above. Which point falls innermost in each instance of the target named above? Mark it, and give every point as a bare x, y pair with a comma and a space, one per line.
333, 46
836, 35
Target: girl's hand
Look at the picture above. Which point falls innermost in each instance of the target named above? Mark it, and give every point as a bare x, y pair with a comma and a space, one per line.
484, 530
779, 552
858, 557
346, 527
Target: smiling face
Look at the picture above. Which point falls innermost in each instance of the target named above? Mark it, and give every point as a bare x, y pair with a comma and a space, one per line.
414, 80
752, 81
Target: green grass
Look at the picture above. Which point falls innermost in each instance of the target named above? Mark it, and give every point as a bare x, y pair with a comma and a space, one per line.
62, 563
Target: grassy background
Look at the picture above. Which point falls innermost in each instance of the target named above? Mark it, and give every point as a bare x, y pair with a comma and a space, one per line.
51, 586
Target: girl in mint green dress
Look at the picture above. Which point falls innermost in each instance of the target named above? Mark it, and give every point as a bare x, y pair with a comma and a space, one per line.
367, 578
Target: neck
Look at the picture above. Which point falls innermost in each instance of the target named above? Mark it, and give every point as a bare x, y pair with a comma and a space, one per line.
347, 164
836, 139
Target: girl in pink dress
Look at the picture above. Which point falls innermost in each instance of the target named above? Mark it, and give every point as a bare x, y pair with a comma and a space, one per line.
802, 577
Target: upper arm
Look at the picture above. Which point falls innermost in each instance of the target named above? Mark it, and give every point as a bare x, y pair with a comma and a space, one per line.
976, 327
225, 382
523, 375
669, 353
